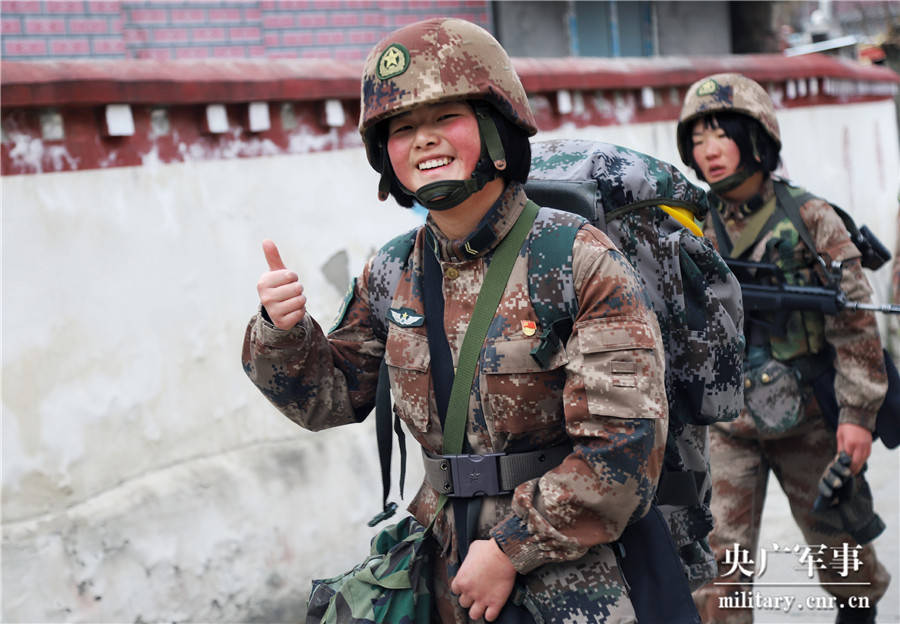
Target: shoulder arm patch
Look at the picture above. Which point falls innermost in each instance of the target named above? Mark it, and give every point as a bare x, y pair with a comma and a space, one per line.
348, 299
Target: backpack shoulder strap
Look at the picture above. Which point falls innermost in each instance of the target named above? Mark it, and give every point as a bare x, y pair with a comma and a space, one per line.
793, 197
872, 251
758, 224
390, 262
790, 198
722, 237
551, 284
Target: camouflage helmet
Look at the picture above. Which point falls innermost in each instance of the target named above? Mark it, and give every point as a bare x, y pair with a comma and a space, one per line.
726, 93
438, 60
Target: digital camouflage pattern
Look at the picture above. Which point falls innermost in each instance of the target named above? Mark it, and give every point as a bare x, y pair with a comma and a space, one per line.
726, 93
439, 60
742, 455
551, 586
741, 472
604, 393
697, 303
861, 380
772, 394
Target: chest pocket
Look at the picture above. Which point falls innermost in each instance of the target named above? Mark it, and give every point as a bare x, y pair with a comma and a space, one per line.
408, 359
804, 329
622, 371
520, 396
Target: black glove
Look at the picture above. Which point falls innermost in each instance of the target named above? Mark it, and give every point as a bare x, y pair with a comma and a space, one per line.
835, 484
845, 504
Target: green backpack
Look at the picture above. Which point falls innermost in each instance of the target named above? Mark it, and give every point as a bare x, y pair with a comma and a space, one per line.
399, 561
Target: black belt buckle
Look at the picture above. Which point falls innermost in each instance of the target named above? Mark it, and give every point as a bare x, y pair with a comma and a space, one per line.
476, 475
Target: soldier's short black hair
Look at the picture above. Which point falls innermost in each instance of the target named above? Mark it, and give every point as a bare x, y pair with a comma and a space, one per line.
515, 144
744, 131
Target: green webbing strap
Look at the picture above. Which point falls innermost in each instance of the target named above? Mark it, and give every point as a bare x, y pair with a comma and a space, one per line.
721, 233
761, 221
791, 207
485, 308
442, 500
757, 224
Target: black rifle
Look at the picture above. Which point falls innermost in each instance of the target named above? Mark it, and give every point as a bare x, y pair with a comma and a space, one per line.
764, 290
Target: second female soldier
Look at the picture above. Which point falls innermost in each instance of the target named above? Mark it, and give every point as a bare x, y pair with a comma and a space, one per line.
729, 135
445, 121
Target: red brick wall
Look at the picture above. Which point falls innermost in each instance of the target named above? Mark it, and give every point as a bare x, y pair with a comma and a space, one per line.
338, 29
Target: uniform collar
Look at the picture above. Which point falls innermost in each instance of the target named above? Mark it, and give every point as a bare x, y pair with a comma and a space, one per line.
495, 225
735, 210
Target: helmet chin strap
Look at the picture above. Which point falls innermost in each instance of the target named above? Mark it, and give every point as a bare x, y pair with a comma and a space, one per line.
446, 194
733, 181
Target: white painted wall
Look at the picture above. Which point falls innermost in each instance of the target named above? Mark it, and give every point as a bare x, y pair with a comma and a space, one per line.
143, 475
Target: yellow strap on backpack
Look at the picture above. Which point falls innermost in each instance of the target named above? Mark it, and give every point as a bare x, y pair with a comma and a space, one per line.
685, 217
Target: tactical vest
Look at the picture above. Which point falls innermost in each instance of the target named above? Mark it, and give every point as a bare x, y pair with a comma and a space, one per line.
804, 333
801, 340
641, 203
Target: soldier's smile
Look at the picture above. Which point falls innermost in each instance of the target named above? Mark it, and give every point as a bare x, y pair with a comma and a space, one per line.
434, 163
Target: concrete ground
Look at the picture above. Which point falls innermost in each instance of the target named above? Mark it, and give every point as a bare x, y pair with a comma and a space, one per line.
811, 602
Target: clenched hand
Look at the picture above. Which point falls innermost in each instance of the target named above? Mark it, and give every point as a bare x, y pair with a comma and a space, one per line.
280, 291
484, 581
856, 441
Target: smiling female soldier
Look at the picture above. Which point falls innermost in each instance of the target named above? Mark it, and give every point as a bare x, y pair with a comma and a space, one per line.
445, 121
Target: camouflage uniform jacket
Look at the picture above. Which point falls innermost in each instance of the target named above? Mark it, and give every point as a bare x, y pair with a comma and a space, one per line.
604, 392
861, 380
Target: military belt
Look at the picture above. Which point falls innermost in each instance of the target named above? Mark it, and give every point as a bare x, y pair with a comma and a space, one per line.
492, 474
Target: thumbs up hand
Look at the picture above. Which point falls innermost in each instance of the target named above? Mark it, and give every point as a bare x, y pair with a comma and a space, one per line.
280, 291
